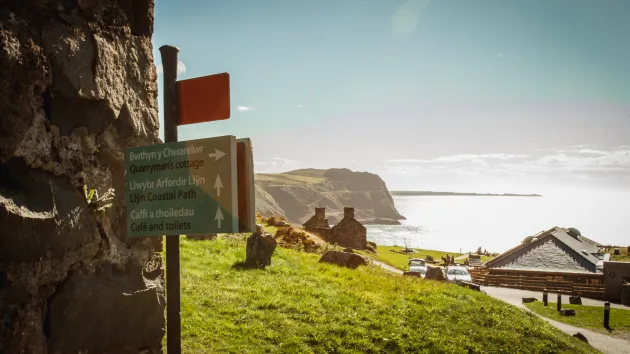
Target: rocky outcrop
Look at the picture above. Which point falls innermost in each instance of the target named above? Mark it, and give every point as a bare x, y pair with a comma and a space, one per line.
344, 259
260, 248
295, 194
77, 87
434, 273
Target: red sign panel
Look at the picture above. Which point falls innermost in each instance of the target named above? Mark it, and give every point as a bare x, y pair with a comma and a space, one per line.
204, 99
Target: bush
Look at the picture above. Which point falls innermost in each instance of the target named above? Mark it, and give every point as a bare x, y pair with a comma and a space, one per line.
291, 238
429, 258
275, 220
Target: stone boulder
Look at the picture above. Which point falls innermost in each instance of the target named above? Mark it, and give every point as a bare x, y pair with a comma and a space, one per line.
575, 300
528, 300
344, 259
259, 249
581, 337
435, 273
567, 312
413, 274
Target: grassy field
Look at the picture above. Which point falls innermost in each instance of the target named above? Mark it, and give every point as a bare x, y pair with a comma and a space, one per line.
270, 229
301, 306
622, 257
400, 261
589, 317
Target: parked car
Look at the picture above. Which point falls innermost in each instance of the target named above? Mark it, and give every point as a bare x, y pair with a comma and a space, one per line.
418, 265
455, 273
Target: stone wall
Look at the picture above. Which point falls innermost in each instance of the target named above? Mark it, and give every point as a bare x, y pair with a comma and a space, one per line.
349, 232
323, 232
77, 87
318, 220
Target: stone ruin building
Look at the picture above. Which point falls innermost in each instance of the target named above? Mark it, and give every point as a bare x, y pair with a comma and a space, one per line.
347, 233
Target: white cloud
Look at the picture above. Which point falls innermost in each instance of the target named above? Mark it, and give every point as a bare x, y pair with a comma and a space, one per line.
463, 158
500, 55
592, 152
597, 167
300, 106
181, 68
244, 108
276, 164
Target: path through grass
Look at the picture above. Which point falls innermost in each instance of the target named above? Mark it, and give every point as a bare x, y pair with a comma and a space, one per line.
589, 317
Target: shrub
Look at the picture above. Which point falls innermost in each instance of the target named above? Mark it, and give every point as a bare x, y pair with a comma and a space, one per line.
291, 238
275, 220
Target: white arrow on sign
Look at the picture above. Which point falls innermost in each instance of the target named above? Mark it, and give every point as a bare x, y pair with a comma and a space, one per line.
219, 217
217, 154
218, 185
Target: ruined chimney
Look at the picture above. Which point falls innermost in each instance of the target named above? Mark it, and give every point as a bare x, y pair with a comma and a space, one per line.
320, 212
348, 213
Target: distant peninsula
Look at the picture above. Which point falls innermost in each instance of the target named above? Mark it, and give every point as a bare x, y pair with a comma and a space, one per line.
296, 194
429, 193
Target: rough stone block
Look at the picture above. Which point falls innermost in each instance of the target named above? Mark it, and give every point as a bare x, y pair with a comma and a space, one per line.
567, 312
434, 273
77, 87
259, 250
41, 215
581, 337
412, 274
106, 310
575, 300
349, 260
528, 300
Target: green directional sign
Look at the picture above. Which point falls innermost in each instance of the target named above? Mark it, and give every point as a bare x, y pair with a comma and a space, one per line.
186, 187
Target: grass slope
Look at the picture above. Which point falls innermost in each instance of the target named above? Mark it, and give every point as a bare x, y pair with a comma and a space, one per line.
301, 306
622, 257
589, 317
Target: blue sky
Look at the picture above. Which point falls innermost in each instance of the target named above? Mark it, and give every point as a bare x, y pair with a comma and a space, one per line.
459, 95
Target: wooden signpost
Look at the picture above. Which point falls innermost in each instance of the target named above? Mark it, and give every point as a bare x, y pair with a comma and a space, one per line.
189, 187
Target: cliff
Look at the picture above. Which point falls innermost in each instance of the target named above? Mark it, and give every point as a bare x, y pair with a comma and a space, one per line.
295, 195
77, 87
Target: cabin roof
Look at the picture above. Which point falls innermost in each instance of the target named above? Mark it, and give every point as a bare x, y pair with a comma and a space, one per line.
584, 249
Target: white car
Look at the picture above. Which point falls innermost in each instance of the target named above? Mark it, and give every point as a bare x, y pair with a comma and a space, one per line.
455, 273
418, 265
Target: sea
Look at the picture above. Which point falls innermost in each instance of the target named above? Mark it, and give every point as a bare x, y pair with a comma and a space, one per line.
465, 223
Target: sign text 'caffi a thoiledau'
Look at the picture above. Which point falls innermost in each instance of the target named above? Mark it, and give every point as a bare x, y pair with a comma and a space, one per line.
185, 187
